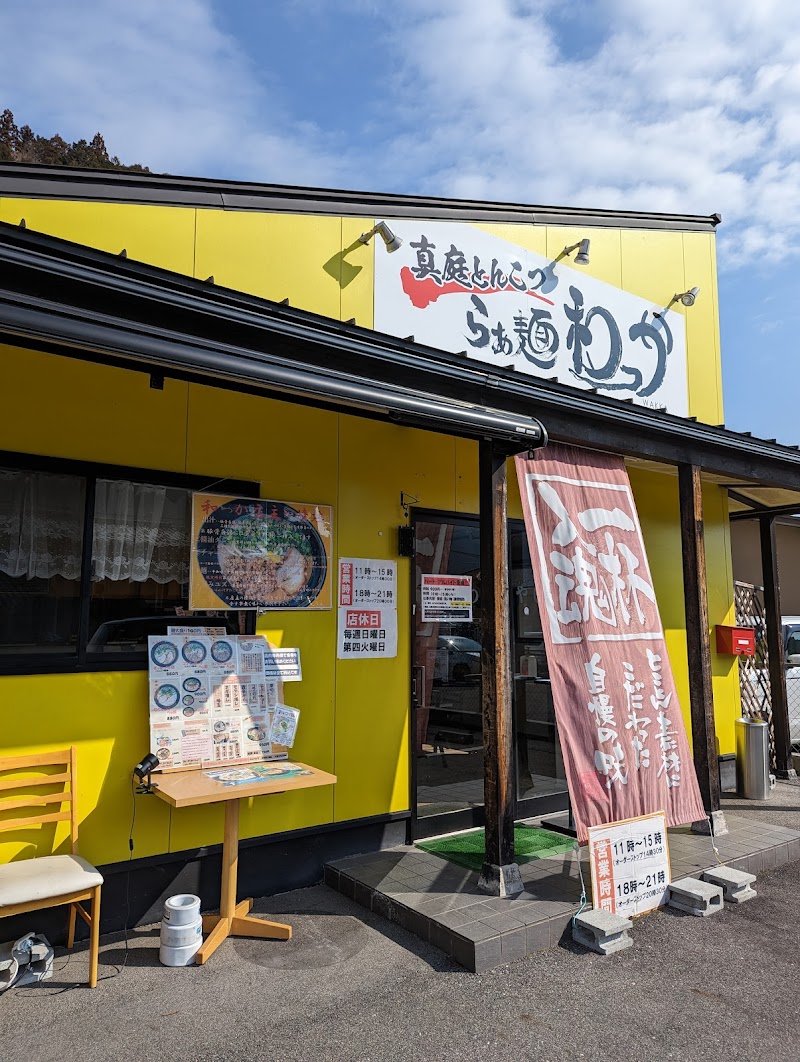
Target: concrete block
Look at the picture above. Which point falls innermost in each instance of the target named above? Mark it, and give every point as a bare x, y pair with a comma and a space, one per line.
602, 931
695, 897
735, 884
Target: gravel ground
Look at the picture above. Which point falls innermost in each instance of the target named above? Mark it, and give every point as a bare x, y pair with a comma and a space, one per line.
350, 986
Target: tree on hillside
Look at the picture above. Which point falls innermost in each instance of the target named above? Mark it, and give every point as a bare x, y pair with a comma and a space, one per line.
21, 144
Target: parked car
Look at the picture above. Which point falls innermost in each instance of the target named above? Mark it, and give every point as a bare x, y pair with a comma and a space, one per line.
790, 627
458, 659
131, 634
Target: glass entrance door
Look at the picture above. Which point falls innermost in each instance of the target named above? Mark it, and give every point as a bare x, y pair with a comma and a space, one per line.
447, 755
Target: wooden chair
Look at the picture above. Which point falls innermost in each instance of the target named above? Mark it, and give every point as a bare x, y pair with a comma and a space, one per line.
38, 882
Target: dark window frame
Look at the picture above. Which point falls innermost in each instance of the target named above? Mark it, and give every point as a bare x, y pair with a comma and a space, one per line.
81, 661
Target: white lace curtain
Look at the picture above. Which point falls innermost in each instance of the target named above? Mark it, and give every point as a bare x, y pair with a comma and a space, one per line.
41, 525
141, 531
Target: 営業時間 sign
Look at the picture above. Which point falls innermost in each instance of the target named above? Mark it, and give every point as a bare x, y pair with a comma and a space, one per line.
630, 865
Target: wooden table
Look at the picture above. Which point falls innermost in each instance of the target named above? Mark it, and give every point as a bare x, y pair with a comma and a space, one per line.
184, 789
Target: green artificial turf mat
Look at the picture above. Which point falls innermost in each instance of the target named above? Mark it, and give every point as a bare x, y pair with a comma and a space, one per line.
469, 849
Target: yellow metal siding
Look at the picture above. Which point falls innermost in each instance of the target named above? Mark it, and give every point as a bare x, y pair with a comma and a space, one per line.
354, 716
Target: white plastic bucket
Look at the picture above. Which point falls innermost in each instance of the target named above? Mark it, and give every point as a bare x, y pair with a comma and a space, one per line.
173, 936
179, 956
182, 910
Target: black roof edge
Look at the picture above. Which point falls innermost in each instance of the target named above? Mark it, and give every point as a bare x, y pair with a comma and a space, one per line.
33, 181
568, 413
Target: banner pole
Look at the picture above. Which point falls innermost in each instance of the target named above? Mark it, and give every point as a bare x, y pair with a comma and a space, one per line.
500, 874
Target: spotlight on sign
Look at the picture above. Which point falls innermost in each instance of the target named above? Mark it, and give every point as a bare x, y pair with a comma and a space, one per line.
582, 247
688, 298
389, 238
143, 769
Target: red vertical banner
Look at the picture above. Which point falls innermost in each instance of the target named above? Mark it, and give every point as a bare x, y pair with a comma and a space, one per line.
623, 740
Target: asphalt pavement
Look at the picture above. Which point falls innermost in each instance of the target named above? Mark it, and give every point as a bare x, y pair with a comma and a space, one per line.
350, 986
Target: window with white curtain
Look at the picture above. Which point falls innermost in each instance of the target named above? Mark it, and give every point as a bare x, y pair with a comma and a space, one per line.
90, 566
41, 546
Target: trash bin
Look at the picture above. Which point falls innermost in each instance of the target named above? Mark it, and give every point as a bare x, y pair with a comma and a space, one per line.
752, 758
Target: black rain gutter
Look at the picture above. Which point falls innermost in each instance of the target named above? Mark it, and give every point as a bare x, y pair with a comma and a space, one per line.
22, 181
72, 299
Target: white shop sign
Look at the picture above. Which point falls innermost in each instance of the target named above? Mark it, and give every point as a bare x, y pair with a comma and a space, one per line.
458, 288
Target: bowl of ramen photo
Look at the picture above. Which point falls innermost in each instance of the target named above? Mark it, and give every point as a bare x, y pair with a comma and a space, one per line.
269, 556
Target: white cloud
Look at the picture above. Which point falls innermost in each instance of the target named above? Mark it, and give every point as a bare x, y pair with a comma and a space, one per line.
686, 107
163, 83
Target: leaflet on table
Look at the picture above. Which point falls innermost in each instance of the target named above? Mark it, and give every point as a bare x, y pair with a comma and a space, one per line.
284, 725
257, 773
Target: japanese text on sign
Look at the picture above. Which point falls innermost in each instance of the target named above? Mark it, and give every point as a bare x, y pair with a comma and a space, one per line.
459, 288
613, 690
367, 609
630, 865
210, 699
367, 582
446, 598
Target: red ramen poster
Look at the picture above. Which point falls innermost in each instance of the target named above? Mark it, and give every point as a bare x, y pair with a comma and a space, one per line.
258, 553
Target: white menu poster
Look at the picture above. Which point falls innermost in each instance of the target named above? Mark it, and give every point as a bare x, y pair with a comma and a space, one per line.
211, 699
367, 609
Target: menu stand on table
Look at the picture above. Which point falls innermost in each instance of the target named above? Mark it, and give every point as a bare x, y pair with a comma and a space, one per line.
190, 788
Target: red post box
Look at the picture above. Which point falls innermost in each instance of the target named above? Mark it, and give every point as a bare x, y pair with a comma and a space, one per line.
738, 641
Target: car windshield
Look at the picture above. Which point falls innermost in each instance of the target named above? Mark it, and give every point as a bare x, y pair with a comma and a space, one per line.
459, 643
793, 643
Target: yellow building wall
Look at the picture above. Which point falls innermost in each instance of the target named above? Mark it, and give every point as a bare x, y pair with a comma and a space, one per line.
656, 496
354, 716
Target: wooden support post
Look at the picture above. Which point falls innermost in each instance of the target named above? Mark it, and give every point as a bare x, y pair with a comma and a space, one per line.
701, 693
230, 859
775, 649
500, 874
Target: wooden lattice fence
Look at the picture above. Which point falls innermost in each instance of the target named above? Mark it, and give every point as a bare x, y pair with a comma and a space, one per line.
754, 681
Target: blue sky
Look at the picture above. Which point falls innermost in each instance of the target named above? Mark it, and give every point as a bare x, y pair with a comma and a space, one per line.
685, 107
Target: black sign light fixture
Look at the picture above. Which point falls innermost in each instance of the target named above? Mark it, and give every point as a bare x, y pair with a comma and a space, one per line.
382, 229
582, 247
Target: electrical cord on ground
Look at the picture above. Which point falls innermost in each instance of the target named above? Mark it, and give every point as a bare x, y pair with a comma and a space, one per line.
134, 791
125, 929
583, 905
711, 838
